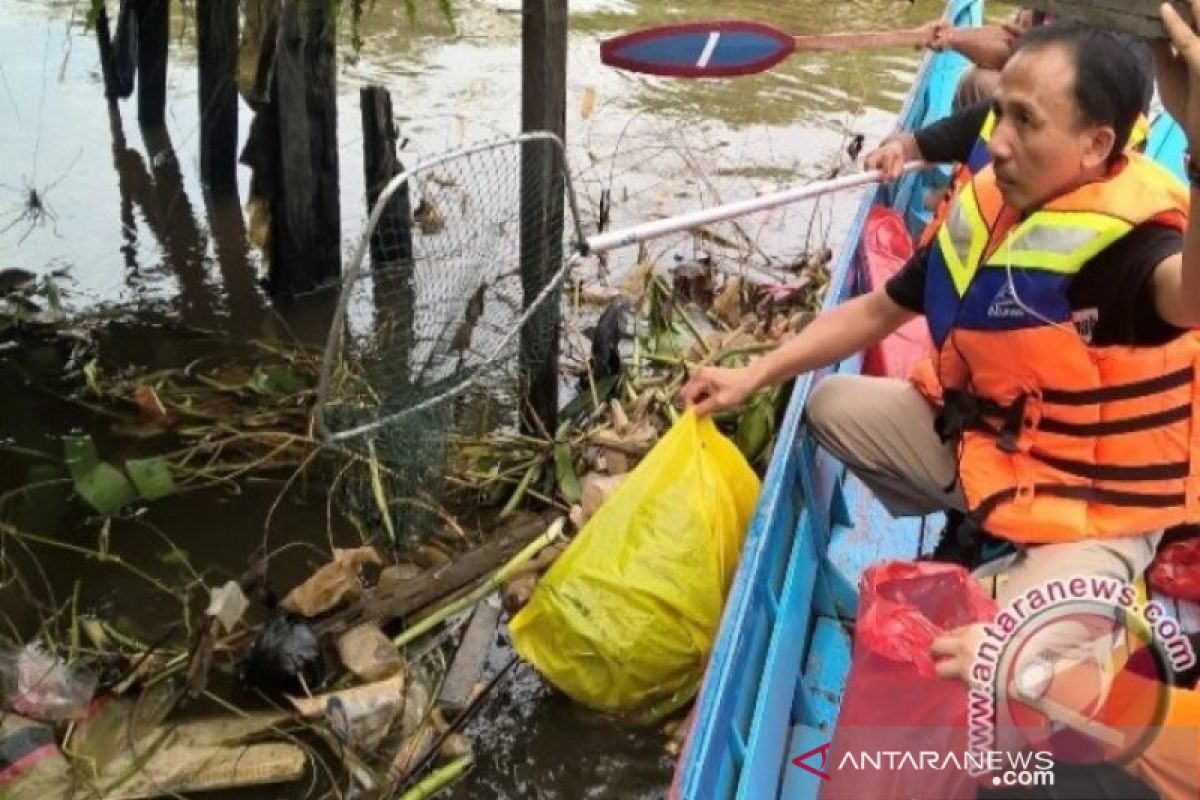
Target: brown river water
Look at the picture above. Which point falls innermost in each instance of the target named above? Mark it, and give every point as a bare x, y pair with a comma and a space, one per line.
128, 234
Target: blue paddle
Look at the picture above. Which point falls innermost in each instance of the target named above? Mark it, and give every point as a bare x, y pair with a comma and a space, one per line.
724, 48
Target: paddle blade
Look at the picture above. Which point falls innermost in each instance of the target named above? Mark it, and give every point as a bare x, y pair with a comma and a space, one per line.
713, 49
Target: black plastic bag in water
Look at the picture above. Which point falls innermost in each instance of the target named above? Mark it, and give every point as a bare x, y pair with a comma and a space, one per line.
284, 659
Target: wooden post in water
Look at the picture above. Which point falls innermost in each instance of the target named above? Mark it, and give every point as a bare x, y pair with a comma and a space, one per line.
306, 225
217, 41
117, 51
543, 108
391, 240
153, 30
108, 67
394, 296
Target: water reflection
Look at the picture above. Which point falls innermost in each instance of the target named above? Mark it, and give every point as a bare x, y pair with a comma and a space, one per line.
245, 303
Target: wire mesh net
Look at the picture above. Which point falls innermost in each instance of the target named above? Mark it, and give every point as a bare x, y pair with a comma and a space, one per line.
438, 332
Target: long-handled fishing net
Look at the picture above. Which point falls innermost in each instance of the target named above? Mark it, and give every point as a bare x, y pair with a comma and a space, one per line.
434, 335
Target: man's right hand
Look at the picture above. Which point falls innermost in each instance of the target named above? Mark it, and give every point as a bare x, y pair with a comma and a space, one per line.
937, 34
889, 158
713, 389
1177, 69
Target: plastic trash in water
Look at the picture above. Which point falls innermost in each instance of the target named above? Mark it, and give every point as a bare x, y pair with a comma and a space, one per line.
285, 658
38, 685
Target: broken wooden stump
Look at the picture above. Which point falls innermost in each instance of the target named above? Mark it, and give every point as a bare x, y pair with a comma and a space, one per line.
217, 42
306, 230
153, 31
392, 265
108, 66
543, 108
391, 241
256, 50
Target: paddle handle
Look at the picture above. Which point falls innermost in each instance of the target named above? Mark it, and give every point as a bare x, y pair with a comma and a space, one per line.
913, 37
696, 219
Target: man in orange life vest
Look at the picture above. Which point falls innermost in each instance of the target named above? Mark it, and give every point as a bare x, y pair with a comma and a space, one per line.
962, 138
1061, 410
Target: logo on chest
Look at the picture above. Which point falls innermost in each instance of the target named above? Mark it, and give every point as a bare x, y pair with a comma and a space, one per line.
1005, 305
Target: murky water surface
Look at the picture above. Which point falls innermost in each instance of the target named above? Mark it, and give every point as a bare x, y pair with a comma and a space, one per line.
126, 231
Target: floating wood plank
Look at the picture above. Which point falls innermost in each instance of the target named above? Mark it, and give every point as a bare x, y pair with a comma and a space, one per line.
194, 769
1139, 17
411, 596
467, 667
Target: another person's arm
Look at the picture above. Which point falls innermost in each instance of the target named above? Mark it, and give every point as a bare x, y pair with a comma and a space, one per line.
830, 337
987, 46
1177, 68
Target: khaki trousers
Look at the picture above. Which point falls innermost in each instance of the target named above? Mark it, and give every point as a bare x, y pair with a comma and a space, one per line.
882, 430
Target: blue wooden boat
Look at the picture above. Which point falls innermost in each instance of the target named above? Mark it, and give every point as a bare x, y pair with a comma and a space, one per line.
774, 683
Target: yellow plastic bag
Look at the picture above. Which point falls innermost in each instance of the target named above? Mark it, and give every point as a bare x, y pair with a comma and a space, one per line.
625, 619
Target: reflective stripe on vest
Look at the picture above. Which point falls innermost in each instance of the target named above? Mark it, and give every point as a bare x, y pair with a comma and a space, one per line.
1059, 440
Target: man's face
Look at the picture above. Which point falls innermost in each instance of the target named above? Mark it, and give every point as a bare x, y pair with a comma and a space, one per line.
1039, 147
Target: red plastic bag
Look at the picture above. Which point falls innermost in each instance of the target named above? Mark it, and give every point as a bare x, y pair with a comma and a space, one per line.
894, 703
1175, 571
884, 249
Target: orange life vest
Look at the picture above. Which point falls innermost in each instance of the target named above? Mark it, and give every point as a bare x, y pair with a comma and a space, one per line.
1060, 441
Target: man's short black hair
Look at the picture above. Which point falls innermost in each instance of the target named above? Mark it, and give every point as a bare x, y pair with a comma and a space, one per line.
1114, 80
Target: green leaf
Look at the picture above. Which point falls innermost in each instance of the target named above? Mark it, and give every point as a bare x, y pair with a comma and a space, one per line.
670, 343
105, 489
755, 427
275, 380
378, 493
151, 476
564, 473
102, 486
80, 452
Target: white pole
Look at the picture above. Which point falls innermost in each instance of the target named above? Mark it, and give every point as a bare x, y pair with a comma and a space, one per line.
660, 227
